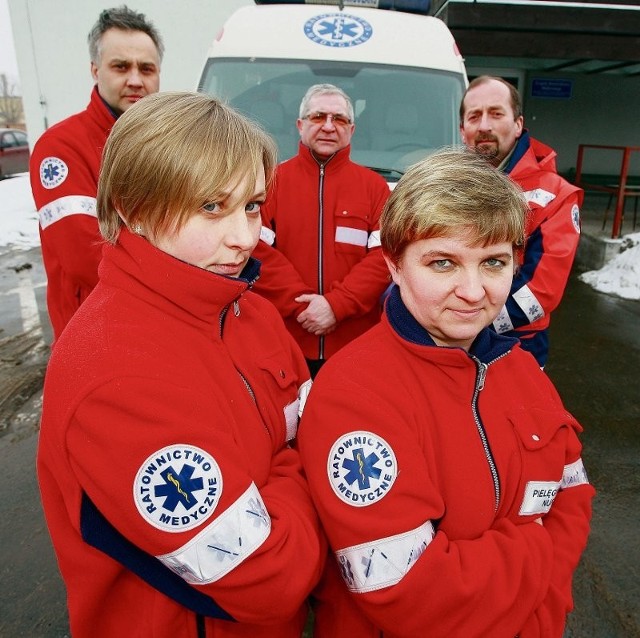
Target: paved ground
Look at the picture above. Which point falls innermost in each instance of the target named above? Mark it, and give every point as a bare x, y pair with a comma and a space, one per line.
595, 362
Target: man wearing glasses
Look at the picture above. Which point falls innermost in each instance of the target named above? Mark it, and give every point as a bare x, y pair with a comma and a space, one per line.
322, 263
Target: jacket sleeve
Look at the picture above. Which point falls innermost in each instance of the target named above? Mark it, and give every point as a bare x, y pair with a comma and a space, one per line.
402, 572
362, 288
539, 284
258, 553
568, 525
279, 281
67, 211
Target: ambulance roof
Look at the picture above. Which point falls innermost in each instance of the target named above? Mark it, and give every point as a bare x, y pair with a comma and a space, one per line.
324, 32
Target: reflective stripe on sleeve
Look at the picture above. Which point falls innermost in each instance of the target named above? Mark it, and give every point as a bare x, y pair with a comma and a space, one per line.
502, 323
225, 543
528, 303
64, 207
539, 196
346, 235
384, 562
374, 240
267, 235
574, 474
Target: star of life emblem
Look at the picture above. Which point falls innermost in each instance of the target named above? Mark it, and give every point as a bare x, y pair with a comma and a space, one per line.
53, 171
177, 488
337, 30
362, 468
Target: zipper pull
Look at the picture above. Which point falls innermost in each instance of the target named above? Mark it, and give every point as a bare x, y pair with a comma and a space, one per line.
482, 373
236, 308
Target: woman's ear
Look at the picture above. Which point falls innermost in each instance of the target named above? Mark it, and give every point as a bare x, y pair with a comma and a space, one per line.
393, 268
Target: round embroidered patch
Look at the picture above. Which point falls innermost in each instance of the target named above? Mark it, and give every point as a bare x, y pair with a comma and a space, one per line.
53, 171
362, 468
575, 217
337, 30
177, 488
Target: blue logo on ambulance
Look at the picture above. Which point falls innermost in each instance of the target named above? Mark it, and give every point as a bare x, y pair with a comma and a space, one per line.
337, 30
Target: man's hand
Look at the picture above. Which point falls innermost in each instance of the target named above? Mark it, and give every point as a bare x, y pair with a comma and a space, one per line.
317, 318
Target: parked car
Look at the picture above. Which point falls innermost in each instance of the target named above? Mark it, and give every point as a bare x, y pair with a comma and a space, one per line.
14, 152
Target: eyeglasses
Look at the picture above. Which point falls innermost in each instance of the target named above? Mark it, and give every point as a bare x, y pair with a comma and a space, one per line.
320, 117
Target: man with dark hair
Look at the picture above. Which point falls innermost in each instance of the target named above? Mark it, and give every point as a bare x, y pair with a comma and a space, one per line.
492, 124
126, 52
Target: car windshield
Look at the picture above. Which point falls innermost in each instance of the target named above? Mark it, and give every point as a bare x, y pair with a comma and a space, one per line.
401, 113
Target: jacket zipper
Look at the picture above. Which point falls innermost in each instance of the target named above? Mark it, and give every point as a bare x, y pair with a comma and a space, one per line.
247, 385
479, 385
320, 251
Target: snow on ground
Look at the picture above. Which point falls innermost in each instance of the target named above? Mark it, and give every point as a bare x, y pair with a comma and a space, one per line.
621, 275
19, 229
18, 216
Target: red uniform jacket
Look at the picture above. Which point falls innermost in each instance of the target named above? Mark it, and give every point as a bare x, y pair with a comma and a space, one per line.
323, 221
429, 467
171, 495
64, 169
553, 233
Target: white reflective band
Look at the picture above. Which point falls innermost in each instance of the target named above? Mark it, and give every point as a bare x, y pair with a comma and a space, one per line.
291, 412
539, 196
303, 393
267, 235
374, 240
502, 323
538, 497
529, 304
346, 235
574, 474
384, 562
64, 207
223, 544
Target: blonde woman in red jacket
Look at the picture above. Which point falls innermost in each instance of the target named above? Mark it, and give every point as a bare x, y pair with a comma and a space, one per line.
174, 499
446, 471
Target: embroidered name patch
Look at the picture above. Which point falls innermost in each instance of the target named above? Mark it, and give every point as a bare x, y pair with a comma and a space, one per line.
362, 467
538, 497
53, 171
177, 488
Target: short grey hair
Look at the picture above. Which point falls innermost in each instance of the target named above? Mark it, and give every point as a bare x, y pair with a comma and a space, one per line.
124, 19
324, 89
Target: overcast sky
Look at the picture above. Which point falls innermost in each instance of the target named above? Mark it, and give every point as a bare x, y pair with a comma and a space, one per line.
8, 64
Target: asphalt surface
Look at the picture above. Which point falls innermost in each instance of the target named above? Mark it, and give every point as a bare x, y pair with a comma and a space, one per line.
594, 361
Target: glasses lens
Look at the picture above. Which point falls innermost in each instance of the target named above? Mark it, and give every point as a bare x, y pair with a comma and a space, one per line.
320, 118
340, 120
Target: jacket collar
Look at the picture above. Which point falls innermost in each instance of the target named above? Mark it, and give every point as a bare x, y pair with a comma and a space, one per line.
333, 163
487, 346
100, 111
177, 288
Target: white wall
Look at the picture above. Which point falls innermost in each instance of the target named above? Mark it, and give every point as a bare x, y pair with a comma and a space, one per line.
53, 57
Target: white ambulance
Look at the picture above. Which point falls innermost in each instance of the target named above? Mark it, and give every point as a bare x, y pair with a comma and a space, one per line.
402, 71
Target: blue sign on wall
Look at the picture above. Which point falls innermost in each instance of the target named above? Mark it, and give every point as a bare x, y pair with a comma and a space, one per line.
551, 88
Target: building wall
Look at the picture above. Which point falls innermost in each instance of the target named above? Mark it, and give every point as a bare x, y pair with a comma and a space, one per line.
53, 57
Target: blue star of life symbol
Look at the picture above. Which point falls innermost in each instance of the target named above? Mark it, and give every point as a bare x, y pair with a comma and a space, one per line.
338, 28
361, 468
51, 172
179, 487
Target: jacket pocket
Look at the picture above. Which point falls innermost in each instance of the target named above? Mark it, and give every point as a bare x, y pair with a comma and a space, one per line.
543, 437
281, 397
352, 230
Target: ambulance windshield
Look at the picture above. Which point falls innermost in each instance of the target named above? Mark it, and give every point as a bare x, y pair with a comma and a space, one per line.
401, 113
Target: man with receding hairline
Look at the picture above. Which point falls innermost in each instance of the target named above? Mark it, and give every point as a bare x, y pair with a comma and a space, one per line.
126, 52
492, 124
